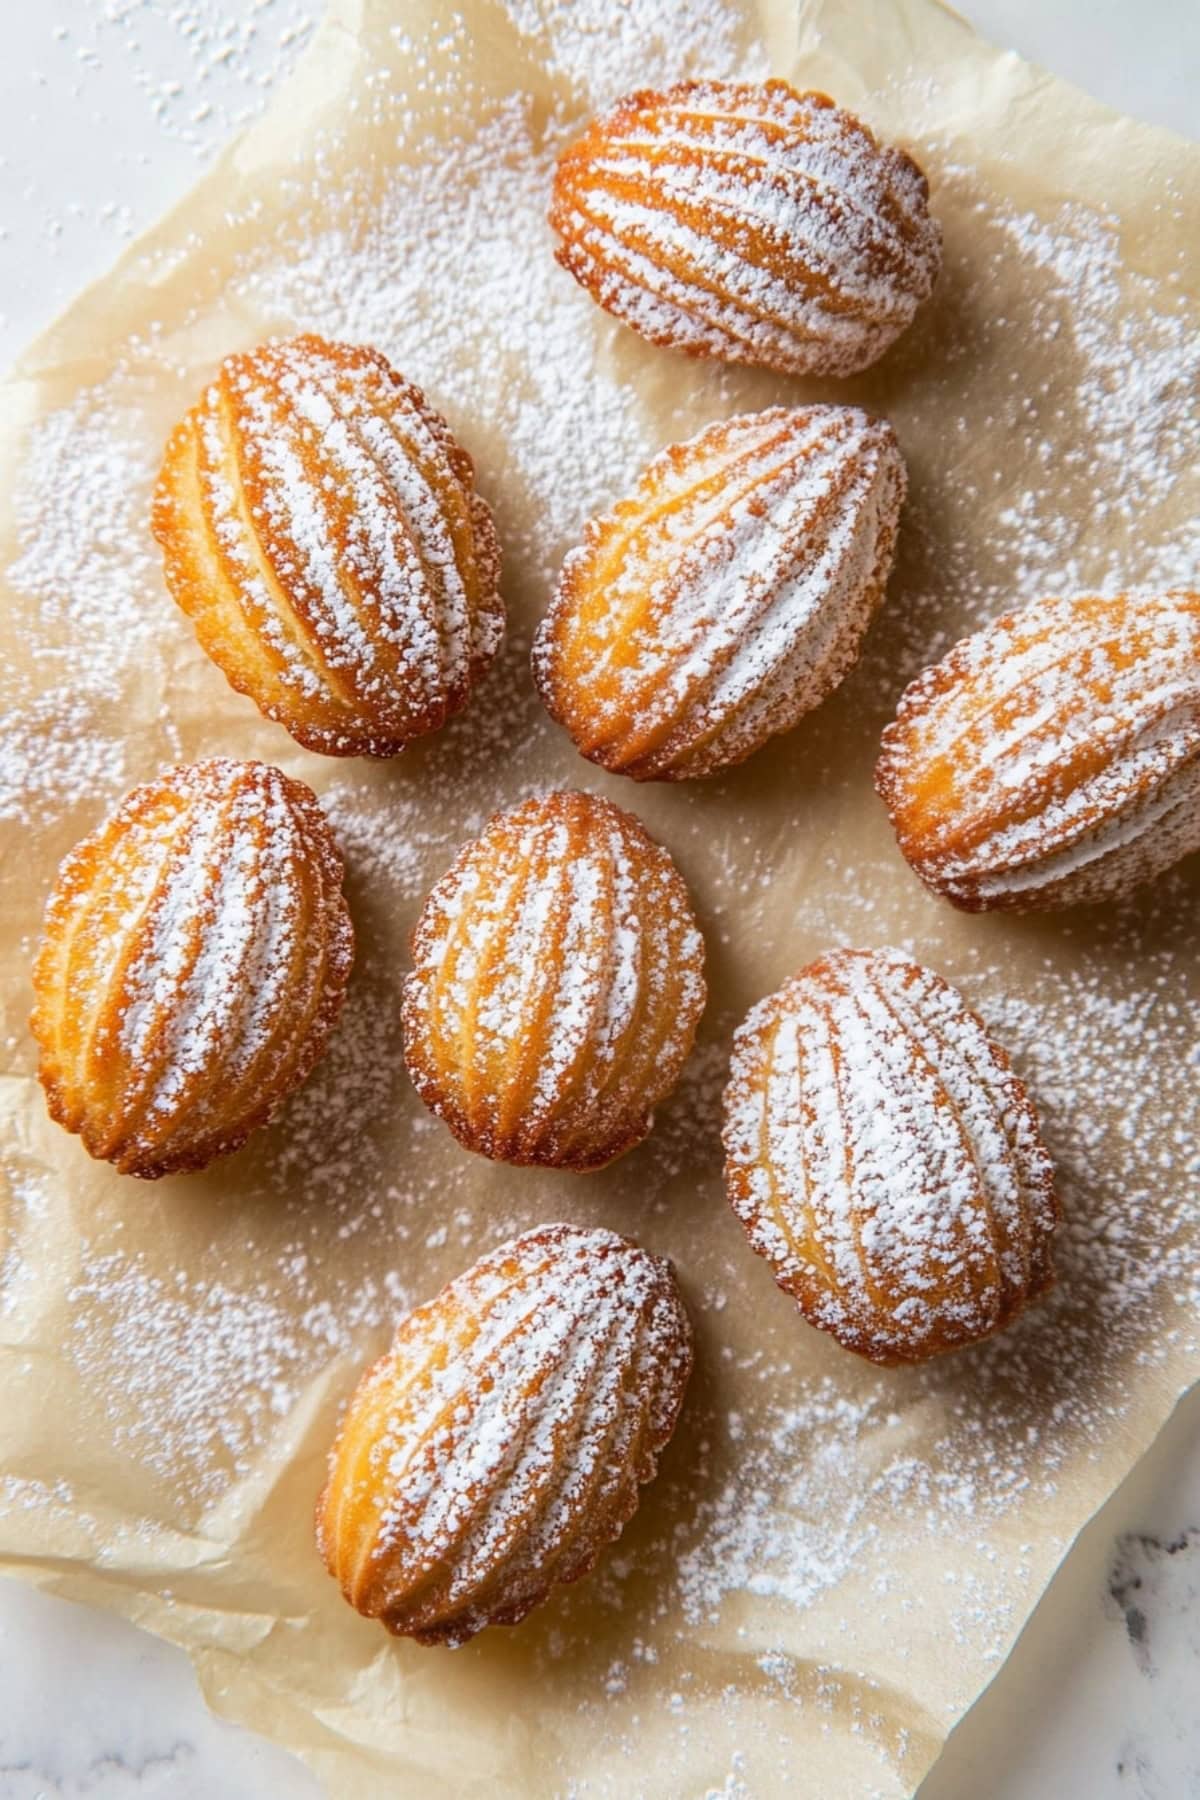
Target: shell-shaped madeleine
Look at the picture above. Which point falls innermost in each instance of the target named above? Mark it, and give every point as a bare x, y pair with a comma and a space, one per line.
319, 526
1054, 757
500, 1443
557, 982
194, 958
885, 1160
728, 595
750, 222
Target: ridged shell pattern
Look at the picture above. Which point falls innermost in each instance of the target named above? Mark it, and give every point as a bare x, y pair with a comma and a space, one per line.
319, 525
1054, 757
500, 1443
195, 956
728, 595
750, 222
885, 1160
557, 983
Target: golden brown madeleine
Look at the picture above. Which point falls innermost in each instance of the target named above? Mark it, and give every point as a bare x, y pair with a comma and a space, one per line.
1054, 757
885, 1160
500, 1443
750, 222
319, 526
194, 959
558, 979
728, 595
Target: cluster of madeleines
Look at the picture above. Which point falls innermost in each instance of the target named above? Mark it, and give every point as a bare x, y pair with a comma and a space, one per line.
319, 525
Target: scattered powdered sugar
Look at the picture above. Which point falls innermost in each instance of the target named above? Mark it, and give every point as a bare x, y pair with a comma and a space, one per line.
31, 1495
52, 755
605, 50
387, 838
795, 1462
1140, 378
161, 85
747, 1541
1092, 369
329, 1152
203, 68
238, 1359
88, 564
85, 598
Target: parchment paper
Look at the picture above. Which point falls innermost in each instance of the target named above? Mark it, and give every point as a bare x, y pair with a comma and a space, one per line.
834, 1558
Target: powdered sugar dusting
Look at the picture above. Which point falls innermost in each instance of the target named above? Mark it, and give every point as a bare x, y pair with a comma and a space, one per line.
605, 51
238, 1359
565, 931
750, 223
884, 1160
52, 755
502, 1440
728, 596
312, 506
87, 564
797, 1470
1094, 366
194, 956
1062, 748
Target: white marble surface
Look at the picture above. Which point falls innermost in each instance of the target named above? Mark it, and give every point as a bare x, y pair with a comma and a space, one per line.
108, 108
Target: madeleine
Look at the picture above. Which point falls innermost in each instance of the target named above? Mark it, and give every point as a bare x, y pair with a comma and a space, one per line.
194, 959
501, 1442
728, 595
1054, 757
885, 1160
320, 527
558, 977
747, 221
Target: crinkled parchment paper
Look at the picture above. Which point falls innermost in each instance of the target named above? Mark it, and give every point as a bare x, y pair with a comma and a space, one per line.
834, 1558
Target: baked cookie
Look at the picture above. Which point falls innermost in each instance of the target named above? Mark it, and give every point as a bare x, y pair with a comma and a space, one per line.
728, 595
500, 1443
1054, 757
194, 959
885, 1160
746, 221
502, 1439
319, 526
557, 982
